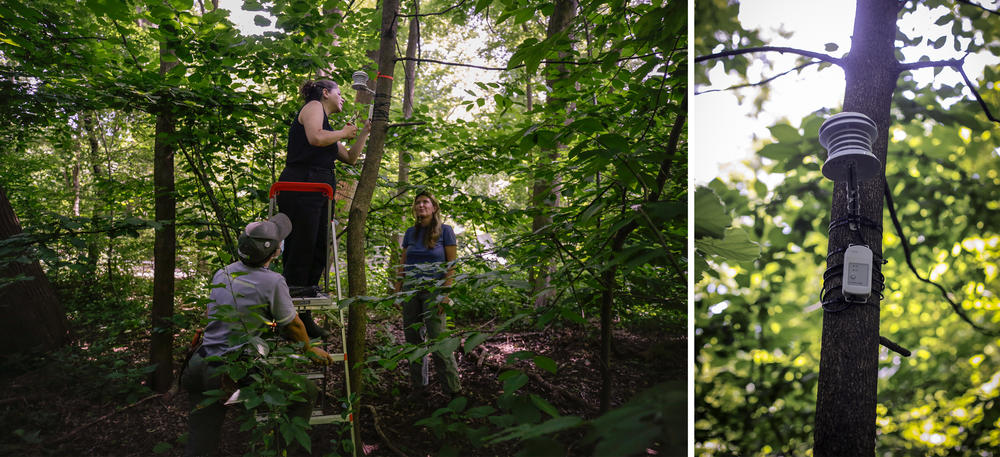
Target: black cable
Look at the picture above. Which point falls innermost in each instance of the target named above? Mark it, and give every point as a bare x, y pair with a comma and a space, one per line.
909, 261
892, 346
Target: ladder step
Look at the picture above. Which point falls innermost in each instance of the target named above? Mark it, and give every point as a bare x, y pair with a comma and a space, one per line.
319, 418
310, 303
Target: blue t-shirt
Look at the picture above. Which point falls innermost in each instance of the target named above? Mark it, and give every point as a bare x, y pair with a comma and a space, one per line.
417, 252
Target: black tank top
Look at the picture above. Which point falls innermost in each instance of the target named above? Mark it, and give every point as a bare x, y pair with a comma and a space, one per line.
303, 154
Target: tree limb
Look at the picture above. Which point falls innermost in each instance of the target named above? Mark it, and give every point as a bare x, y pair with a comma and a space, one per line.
929, 64
566, 62
762, 82
437, 13
736, 52
989, 115
381, 434
405, 124
967, 2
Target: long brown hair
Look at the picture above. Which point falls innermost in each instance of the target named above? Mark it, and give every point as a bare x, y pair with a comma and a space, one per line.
430, 236
313, 90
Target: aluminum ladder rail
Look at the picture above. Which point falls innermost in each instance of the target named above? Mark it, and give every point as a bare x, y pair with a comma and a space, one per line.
323, 302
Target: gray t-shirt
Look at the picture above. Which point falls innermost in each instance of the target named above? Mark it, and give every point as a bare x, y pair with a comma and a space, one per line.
245, 288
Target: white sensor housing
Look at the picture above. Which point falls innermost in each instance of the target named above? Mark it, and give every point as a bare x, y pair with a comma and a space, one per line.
857, 280
848, 137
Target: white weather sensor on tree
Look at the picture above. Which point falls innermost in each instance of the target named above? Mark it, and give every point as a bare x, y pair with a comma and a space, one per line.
848, 137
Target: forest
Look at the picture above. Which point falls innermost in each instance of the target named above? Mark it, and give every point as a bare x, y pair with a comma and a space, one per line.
139, 137
785, 362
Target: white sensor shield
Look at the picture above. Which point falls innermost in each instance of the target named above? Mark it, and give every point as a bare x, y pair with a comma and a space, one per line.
857, 280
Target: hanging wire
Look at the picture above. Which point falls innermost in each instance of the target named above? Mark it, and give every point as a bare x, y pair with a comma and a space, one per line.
909, 261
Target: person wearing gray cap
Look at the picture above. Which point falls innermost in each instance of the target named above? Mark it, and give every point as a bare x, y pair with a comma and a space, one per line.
244, 286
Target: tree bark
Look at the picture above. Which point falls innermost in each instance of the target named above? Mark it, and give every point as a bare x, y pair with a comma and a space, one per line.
164, 243
356, 275
403, 174
33, 317
545, 190
93, 247
846, 396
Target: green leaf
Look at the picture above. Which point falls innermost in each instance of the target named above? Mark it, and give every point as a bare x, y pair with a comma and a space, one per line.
544, 405
785, 133
526, 431
710, 217
614, 142
261, 21
474, 340
545, 363
480, 411
735, 247
587, 125
778, 151
514, 383
458, 405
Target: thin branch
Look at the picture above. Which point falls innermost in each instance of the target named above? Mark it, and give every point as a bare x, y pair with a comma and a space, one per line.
418, 60
567, 62
762, 82
967, 2
102, 418
736, 52
929, 64
378, 430
405, 124
435, 14
125, 43
989, 115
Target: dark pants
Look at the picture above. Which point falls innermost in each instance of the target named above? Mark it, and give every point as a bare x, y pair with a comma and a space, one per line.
423, 308
205, 422
305, 254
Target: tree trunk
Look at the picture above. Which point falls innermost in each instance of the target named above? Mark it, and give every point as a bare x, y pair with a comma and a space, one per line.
33, 317
93, 248
545, 190
164, 244
403, 175
356, 275
846, 396
76, 178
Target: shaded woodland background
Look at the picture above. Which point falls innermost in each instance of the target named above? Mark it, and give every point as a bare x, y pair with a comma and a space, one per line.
762, 243
139, 137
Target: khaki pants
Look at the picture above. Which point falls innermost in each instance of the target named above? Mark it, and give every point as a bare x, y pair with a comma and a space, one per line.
205, 422
422, 308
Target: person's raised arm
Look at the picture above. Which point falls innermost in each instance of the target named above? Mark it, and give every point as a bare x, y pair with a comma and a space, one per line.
351, 155
311, 118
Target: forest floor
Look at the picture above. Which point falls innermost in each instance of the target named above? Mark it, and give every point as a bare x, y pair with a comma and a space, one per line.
66, 407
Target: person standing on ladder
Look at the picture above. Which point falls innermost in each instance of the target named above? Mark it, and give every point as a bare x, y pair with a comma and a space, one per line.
313, 149
427, 246
243, 286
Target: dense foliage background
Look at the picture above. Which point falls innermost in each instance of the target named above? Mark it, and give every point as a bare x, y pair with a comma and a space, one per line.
81, 90
757, 305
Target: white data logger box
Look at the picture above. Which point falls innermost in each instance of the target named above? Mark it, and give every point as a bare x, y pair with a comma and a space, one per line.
857, 280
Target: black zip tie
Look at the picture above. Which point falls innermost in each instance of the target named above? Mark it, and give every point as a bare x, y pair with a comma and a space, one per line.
861, 220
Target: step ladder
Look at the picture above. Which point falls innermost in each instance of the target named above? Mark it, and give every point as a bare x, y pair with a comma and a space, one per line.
324, 303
